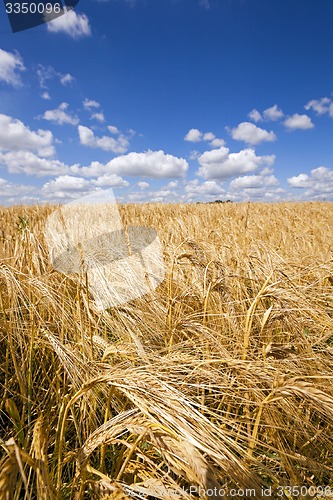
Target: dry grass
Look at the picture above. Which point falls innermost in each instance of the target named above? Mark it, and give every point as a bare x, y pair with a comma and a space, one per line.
221, 378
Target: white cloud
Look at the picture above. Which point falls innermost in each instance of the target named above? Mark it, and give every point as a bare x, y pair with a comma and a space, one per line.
10, 67
137, 196
266, 171
317, 185
207, 188
299, 181
265, 194
161, 195
270, 114
320, 106
69, 187
297, 121
110, 180
172, 184
66, 79
98, 116
155, 164
217, 143
143, 185
95, 169
15, 136
251, 134
253, 182
273, 113
28, 163
88, 104
16, 193
45, 95
193, 135
73, 24
220, 163
255, 116
60, 116
107, 143
66, 186
209, 136
113, 130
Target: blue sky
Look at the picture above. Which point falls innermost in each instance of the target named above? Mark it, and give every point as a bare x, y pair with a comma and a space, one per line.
170, 101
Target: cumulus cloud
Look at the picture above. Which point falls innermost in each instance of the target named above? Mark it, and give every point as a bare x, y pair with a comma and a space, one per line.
60, 116
16, 193
11, 66
155, 164
297, 121
95, 169
206, 188
66, 186
110, 180
45, 95
92, 106
273, 113
255, 116
113, 130
251, 134
143, 185
320, 181
15, 136
253, 182
193, 135
317, 185
299, 181
217, 143
73, 24
107, 143
162, 195
321, 106
28, 163
220, 163
208, 136
172, 184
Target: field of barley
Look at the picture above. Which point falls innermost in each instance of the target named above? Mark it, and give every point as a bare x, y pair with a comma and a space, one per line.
218, 384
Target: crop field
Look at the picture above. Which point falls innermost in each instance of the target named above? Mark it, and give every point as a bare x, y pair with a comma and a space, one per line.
218, 384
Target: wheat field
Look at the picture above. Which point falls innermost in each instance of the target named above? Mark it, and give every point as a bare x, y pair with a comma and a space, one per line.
219, 381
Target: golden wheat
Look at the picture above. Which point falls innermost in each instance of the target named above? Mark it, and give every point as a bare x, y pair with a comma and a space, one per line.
220, 378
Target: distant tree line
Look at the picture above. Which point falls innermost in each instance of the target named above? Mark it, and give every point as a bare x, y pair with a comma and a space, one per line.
216, 201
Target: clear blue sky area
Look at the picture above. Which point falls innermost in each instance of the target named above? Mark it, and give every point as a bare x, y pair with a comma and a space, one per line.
169, 100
